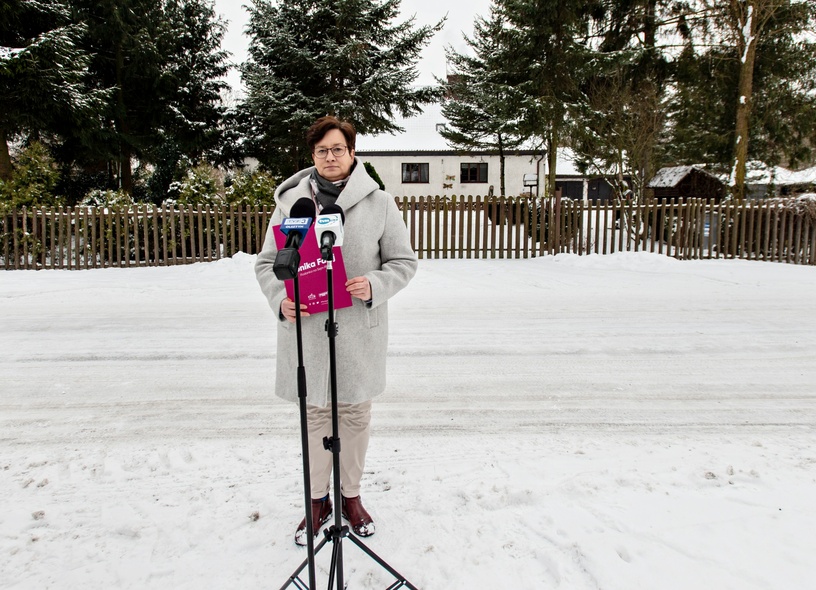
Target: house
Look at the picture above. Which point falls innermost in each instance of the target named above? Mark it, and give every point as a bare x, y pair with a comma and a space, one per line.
419, 162
686, 182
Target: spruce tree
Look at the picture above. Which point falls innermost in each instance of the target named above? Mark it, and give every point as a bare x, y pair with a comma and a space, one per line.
310, 58
43, 73
620, 115
479, 102
544, 52
163, 59
194, 79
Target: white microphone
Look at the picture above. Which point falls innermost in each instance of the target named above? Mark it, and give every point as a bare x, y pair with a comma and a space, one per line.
329, 229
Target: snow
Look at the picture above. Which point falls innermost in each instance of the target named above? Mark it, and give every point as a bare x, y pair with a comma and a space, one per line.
10, 52
747, 36
781, 176
617, 422
672, 175
420, 134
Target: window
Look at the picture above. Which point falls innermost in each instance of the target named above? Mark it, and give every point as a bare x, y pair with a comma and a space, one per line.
414, 173
476, 172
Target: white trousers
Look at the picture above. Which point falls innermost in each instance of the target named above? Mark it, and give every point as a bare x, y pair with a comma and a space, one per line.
353, 430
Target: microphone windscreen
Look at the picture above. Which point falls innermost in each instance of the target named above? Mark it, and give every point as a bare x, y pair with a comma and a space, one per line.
334, 208
303, 207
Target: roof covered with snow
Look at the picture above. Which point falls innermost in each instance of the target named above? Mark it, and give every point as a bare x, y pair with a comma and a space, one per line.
756, 174
781, 176
422, 136
672, 175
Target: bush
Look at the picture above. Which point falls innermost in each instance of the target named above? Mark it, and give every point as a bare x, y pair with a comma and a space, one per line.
107, 198
804, 205
75, 183
372, 172
252, 189
201, 185
33, 180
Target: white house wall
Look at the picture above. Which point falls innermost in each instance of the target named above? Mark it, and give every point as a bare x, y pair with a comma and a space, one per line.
445, 170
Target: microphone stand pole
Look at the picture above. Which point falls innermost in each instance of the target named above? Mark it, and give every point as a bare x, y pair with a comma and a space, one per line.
304, 441
337, 531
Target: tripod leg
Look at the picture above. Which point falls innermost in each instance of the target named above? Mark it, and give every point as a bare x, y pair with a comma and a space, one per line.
334, 560
401, 581
295, 577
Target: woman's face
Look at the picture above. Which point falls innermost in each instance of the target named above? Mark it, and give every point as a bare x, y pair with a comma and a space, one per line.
333, 168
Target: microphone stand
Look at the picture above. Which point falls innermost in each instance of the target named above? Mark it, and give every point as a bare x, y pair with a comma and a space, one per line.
304, 436
337, 532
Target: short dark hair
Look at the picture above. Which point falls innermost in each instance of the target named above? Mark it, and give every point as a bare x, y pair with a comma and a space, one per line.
323, 125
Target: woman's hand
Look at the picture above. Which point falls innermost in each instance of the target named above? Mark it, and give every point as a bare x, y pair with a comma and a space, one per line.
359, 287
289, 312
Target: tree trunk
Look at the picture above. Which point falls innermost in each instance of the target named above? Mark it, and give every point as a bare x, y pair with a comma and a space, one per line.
653, 90
125, 171
552, 160
747, 48
122, 125
5, 157
501, 166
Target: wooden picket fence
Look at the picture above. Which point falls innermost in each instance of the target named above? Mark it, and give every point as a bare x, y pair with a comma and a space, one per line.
439, 227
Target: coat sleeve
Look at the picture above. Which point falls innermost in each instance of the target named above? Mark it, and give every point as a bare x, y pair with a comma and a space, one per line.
399, 261
271, 286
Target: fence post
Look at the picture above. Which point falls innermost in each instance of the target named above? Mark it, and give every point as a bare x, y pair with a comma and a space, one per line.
555, 223
440, 233
481, 226
4, 230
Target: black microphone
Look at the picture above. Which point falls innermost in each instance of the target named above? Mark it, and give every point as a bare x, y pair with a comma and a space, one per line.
329, 229
298, 223
294, 227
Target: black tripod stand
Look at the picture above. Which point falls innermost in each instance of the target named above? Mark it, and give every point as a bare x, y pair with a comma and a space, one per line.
337, 532
286, 267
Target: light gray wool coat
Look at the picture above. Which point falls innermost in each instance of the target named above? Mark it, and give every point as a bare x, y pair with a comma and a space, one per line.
375, 245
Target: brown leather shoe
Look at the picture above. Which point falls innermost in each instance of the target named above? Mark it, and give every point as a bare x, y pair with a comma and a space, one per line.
360, 520
321, 512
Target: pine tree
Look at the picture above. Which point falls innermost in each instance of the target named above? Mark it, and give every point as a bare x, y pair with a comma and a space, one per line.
43, 73
479, 104
310, 58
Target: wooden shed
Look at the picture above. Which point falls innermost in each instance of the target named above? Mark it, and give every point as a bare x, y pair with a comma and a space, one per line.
686, 182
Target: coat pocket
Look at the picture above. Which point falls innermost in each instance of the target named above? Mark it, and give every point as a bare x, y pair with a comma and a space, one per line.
373, 317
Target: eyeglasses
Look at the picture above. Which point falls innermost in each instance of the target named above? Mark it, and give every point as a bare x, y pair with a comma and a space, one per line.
337, 151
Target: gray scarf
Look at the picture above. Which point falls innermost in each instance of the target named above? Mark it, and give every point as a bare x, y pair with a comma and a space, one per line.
326, 191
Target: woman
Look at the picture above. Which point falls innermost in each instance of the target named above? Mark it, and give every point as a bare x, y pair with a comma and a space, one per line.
379, 259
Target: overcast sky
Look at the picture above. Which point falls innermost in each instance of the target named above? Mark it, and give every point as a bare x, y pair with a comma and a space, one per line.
460, 15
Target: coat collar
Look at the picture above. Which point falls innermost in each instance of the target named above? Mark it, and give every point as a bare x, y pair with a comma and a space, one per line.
359, 186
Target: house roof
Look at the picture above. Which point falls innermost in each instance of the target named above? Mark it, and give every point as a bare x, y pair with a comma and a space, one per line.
756, 174
782, 176
420, 134
421, 137
672, 175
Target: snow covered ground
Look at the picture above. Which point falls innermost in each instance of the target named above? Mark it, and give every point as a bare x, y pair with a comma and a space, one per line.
618, 422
